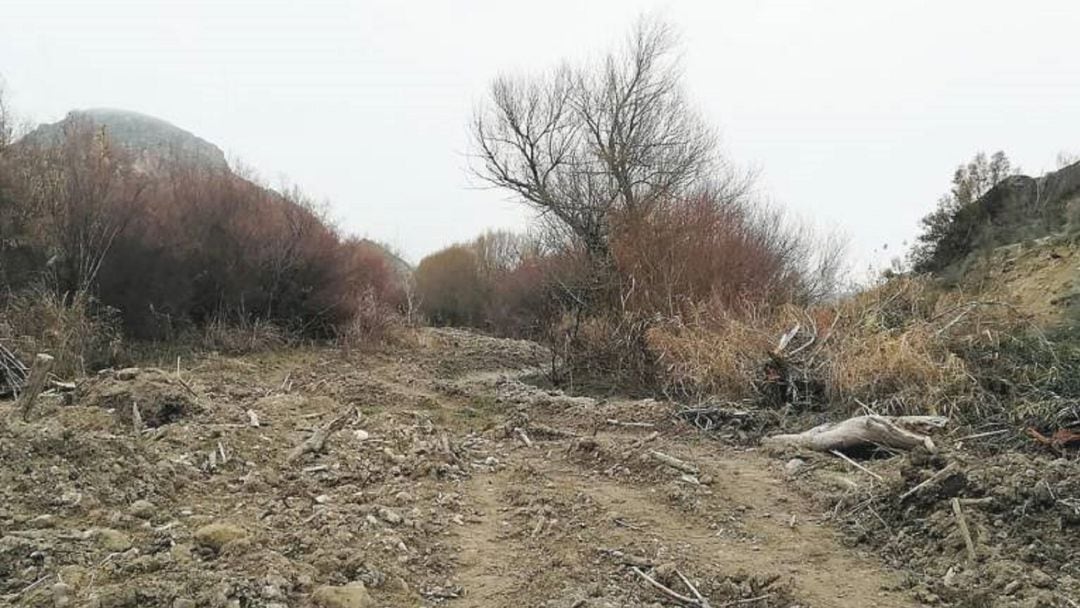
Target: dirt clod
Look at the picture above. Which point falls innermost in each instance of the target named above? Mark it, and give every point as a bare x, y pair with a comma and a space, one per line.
353, 595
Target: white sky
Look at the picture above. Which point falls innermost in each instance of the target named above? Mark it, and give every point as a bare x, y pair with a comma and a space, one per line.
854, 111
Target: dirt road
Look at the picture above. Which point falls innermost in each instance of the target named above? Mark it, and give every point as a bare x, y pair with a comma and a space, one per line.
450, 481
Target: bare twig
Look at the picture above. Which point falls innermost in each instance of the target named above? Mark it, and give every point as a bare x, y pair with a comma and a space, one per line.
702, 601
317, 441
930, 480
644, 425
962, 523
675, 595
524, 438
673, 462
745, 601
845, 458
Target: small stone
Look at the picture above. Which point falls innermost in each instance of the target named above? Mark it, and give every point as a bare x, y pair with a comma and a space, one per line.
1012, 587
217, 535
353, 595
390, 516
322, 499
1041, 579
665, 573
47, 520
183, 602
361, 435
128, 373
793, 466
143, 509
61, 595
111, 540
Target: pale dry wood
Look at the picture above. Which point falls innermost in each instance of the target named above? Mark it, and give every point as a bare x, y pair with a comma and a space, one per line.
900, 432
930, 480
253, 419
643, 425
136, 420
673, 462
524, 437
39, 375
317, 440
675, 595
848, 460
964, 531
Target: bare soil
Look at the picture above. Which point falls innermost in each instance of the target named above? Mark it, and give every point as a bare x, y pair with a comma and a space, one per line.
447, 481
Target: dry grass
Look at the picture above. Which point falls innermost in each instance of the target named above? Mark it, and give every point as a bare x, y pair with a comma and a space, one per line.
905, 346
239, 334
81, 335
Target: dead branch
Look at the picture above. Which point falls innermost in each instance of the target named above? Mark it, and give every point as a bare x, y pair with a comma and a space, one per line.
643, 425
900, 432
524, 437
12, 372
317, 441
848, 460
136, 420
675, 595
673, 462
39, 375
930, 480
962, 523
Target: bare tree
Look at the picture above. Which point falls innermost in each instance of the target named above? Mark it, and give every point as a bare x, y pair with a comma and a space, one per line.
586, 144
85, 193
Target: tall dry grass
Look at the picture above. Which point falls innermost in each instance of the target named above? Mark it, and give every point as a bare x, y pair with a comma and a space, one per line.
906, 346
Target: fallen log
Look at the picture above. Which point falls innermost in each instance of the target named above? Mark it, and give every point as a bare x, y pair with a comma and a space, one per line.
898, 432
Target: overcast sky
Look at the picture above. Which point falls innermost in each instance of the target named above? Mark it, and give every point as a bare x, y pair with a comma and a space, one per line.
855, 112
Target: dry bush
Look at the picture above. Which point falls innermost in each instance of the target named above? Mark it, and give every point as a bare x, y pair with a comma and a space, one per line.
450, 287
181, 246
81, 335
904, 347
239, 334
374, 323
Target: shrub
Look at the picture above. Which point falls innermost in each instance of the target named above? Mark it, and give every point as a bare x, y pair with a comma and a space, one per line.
81, 335
903, 347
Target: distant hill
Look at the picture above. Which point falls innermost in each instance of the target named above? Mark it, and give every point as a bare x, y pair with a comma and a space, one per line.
155, 145
152, 141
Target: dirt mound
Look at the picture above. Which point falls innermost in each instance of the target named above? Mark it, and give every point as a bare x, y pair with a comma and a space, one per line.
1020, 510
160, 397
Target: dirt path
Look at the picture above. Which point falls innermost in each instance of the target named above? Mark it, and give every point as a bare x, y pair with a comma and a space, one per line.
428, 495
748, 524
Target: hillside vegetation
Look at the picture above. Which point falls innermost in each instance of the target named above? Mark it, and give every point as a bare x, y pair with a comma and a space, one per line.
116, 225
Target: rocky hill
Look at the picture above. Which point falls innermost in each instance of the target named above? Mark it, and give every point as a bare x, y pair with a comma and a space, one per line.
153, 142
1018, 209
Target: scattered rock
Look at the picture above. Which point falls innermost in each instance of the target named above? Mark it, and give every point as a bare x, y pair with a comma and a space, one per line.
127, 374
390, 516
111, 540
216, 535
353, 595
143, 509
793, 466
62, 595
